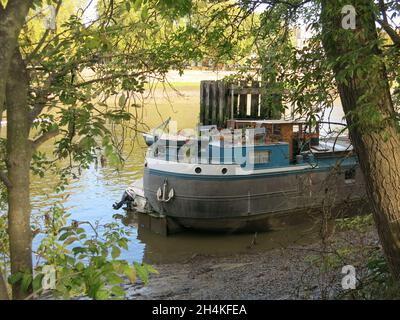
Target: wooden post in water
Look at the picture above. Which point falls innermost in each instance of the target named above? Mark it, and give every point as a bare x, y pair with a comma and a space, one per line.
222, 105
207, 103
228, 107
202, 102
220, 101
255, 98
243, 101
235, 102
213, 101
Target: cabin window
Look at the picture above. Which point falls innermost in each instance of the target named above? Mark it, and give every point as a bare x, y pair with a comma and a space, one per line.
197, 170
350, 176
260, 157
224, 170
277, 129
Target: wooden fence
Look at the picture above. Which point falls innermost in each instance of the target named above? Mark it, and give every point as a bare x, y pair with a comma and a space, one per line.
220, 101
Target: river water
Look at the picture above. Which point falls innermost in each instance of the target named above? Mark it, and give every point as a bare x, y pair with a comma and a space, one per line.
90, 197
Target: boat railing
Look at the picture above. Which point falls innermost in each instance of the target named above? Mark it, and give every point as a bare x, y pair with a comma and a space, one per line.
205, 154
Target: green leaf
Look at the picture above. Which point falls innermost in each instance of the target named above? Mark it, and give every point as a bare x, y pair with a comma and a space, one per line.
70, 240
65, 236
114, 278
128, 6
80, 266
115, 252
151, 269
118, 291
145, 13
80, 230
130, 273
137, 4
123, 243
122, 100
37, 282
14, 278
142, 272
102, 295
26, 281
77, 250
92, 42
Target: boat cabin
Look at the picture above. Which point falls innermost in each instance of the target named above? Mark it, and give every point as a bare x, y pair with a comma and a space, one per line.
292, 132
258, 156
260, 144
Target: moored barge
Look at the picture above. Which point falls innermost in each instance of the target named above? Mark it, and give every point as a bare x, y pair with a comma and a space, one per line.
244, 176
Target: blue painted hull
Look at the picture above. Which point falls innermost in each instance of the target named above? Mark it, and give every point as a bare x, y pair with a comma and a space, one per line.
254, 202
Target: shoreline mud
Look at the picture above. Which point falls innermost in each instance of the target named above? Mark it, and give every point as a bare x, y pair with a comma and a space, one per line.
285, 273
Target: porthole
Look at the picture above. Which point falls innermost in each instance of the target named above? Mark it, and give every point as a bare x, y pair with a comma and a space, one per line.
197, 170
224, 170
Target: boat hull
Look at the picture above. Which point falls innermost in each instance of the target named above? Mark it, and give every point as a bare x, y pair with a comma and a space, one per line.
252, 203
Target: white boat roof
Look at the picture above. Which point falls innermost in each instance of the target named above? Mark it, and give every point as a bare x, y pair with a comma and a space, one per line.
172, 137
247, 145
275, 121
332, 145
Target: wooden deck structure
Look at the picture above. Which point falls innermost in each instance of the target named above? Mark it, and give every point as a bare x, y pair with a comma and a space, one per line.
220, 101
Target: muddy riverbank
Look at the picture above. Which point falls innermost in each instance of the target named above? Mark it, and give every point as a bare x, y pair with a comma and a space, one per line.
289, 272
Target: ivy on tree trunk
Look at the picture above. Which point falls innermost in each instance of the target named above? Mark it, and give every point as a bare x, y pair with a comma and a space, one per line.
365, 95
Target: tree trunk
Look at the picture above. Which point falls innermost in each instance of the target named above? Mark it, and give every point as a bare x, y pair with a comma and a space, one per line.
19, 153
365, 95
12, 19
3, 288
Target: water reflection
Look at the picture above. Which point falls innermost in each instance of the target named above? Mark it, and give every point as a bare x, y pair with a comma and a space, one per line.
91, 195
184, 246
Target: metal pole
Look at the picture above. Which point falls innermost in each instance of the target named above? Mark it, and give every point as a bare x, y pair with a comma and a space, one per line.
232, 99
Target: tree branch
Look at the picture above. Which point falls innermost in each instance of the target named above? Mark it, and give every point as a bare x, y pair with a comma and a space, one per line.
5, 180
108, 78
382, 8
390, 31
290, 4
42, 98
45, 137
